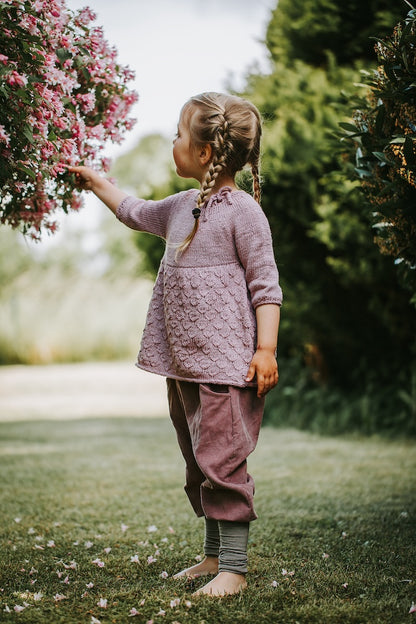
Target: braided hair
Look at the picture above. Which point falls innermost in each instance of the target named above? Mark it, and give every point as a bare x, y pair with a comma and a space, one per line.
232, 127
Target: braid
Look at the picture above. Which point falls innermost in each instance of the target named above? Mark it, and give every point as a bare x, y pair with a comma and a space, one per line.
218, 163
256, 182
231, 126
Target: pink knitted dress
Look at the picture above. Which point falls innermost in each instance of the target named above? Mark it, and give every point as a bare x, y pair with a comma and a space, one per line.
201, 323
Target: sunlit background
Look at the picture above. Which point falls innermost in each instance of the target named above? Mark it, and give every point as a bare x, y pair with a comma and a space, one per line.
181, 48
79, 294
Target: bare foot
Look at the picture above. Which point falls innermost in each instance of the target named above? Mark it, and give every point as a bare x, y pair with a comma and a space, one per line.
224, 584
209, 565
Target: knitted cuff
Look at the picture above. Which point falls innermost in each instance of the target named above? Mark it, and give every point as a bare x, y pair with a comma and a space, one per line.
212, 538
233, 548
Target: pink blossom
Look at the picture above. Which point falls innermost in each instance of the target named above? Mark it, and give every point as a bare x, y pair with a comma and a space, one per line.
412, 608
4, 136
57, 106
133, 612
87, 101
102, 603
30, 23
99, 563
85, 16
14, 78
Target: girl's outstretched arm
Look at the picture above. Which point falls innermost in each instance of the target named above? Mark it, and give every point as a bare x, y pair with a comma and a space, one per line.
89, 180
263, 365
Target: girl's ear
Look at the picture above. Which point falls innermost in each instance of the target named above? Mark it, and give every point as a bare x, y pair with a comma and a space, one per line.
205, 154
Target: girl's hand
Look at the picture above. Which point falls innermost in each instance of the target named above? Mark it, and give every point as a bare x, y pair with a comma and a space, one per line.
85, 177
89, 180
264, 367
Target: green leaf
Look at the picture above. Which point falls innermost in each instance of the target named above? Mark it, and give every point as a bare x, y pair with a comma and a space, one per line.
28, 133
29, 172
381, 157
63, 54
349, 127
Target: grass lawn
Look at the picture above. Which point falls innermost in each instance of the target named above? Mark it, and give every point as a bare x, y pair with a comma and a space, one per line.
94, 522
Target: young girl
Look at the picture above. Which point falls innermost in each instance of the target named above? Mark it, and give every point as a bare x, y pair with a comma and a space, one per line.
213, 319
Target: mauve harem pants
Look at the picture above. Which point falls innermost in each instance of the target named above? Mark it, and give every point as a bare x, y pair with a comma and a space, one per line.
217, 428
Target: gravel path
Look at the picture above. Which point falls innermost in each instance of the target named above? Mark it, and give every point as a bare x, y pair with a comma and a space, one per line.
67, 391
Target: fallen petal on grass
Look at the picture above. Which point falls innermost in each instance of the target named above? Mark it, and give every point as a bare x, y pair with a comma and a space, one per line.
174, 603
59, 597
18, 608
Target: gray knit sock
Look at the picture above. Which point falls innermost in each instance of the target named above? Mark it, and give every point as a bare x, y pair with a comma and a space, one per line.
212, 538
233, 546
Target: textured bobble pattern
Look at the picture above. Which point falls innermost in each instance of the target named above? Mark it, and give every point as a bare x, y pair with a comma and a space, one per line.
201, 321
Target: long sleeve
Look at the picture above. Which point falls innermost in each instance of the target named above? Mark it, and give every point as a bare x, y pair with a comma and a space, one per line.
149, 215
255, 249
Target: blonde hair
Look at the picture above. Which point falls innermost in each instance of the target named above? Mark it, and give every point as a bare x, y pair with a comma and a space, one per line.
232, 127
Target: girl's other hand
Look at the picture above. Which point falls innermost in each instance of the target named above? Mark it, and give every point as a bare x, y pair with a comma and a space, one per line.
264, 367
85, 177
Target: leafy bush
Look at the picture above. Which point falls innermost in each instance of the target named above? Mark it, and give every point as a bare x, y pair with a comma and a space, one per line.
385, 131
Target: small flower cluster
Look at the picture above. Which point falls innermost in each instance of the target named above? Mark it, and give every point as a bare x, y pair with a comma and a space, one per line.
63, 95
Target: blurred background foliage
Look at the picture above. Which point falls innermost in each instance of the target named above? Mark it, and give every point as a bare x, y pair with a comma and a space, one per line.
347, 343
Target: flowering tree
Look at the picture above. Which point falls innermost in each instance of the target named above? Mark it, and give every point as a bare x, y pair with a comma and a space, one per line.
384, 130
62, 96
